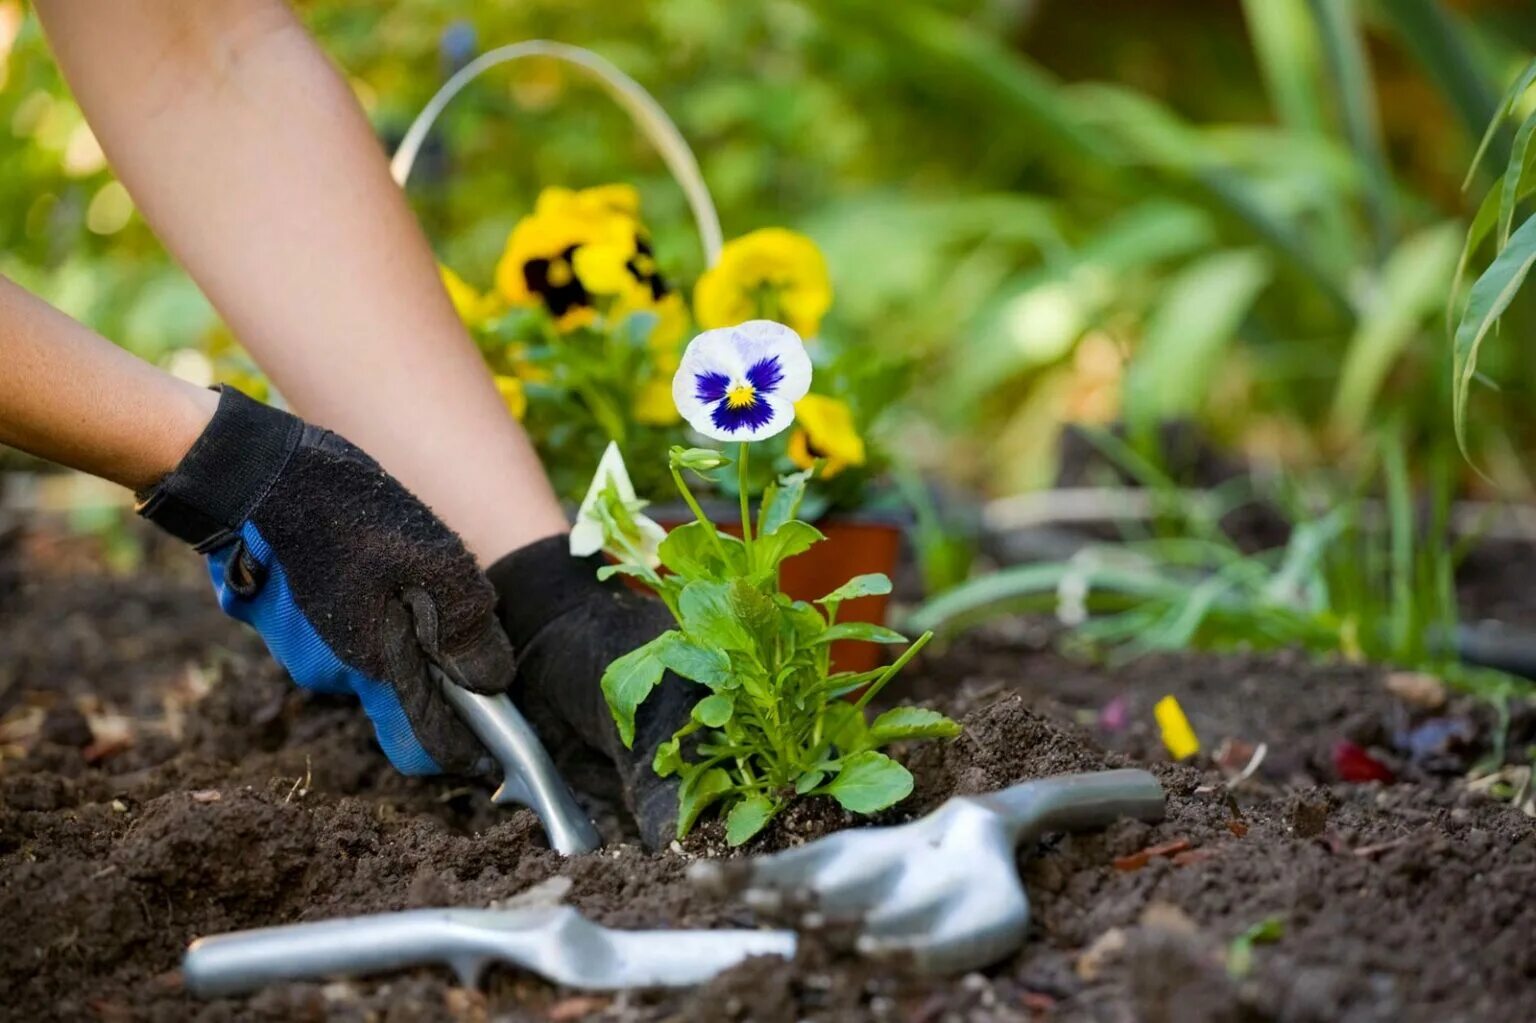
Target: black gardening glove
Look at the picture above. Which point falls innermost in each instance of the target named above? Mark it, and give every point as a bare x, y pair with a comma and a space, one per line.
354, 584
567, 627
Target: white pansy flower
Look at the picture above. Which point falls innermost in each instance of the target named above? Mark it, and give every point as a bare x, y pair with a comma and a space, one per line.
741, 383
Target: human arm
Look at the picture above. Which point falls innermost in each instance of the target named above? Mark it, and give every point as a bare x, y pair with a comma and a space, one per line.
250, 157
73, 397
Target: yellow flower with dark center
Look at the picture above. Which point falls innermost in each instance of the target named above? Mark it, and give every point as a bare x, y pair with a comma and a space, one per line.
770, 274
825, 430
513, 395
577, 247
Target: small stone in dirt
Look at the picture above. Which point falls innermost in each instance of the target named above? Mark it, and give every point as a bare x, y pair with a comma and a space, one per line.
575, 1008
1416, 688
207, 796
1165, 916
118, 806
462, 1003
1103, 948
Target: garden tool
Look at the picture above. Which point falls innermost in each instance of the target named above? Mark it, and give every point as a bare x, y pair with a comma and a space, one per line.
556, 942
943, 890
528, 776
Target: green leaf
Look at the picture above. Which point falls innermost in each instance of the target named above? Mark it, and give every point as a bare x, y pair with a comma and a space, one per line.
714, 711
640, 572
708, 666
791, 538
691, 551
808, 781
911, 723
800, 624
710, 618
1199, 314
1489, 297
747, 818
1522, 82
843, 726
630, 679
784, 503
1240, 952
1509, 189
870, 781
845, 682
697, 793
874, 584
668, 759
865, 631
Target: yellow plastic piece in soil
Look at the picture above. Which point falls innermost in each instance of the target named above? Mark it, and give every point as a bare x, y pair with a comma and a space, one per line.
1178, 736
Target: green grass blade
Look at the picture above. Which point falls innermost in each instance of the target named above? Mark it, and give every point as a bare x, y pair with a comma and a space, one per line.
1522, 82
1401, 617
1412, 281
1514, 175
1344, 53
1489, 297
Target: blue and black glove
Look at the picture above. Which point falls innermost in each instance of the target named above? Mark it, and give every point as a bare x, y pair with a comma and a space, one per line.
353, 583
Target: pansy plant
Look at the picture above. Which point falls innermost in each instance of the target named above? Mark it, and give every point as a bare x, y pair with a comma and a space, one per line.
776, 722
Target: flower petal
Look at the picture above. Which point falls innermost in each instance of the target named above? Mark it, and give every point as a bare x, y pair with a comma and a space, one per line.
740, 383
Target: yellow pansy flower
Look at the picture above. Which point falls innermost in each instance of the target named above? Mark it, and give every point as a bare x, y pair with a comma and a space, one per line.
577, 246
471, 306
825, 430
772, 274
513, 395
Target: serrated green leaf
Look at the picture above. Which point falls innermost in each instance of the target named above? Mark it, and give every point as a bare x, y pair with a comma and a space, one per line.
868, 632
873, 584
869, 782
698, 791
791, 538
785, 502
714, 711
629, 680
800, 623
747, 818
708, 666
911, 723
710, 618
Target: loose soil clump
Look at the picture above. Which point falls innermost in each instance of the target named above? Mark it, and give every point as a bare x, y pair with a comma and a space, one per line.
160, 780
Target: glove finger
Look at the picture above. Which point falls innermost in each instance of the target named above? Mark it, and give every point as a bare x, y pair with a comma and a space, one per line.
434, 724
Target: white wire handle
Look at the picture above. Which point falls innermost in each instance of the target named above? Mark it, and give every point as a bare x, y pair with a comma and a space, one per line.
640, 105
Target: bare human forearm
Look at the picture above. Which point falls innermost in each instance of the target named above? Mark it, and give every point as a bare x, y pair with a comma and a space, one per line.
253, 162
75, 398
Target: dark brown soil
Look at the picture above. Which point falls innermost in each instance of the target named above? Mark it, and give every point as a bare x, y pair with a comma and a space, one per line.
160, 780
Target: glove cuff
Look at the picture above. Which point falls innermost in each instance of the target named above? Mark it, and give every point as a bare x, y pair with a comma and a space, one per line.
225, 474
540, 582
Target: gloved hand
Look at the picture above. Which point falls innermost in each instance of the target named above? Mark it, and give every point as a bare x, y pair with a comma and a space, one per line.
353, 583
567, 628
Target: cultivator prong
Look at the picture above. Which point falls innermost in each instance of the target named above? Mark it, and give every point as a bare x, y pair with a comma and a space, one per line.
528, 776
943, 890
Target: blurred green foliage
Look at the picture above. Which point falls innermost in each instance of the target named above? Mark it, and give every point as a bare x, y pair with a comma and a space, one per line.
1244, 212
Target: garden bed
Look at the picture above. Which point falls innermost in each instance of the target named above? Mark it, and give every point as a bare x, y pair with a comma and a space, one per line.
160, 780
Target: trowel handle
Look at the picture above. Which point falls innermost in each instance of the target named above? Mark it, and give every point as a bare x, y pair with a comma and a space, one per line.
528, 775
1077, 802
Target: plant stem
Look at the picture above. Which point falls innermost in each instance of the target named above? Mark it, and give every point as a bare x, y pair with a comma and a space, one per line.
890, 673
746, 514
698, 513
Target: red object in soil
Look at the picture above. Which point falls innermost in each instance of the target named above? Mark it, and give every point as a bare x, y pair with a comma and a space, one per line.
854, 545
1352, 763
1139, 859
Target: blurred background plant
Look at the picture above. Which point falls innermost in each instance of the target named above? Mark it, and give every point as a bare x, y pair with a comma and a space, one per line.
1241, 213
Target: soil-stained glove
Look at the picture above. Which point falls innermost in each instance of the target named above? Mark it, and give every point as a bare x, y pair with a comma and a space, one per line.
353, 583
567, 627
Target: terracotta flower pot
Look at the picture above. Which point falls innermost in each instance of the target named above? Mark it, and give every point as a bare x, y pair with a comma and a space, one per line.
855, 544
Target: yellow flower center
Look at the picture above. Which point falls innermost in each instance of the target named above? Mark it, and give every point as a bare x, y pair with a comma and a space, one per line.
559, 273
741, 396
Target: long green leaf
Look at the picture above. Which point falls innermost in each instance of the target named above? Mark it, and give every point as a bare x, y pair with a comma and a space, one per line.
1523, 81
1490, 296
1339, 30
1514, 176
1408, 293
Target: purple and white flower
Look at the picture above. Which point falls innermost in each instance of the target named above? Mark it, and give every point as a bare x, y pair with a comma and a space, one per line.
741, 383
